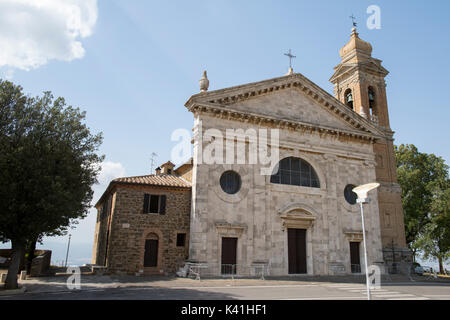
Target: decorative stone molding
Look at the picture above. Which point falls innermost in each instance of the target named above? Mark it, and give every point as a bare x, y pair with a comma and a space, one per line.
295, 125
390, 187
217, 103
297, 215
225, 229
354, 235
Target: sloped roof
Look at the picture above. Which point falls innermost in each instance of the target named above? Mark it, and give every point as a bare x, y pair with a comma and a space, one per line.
154, 180
163, 180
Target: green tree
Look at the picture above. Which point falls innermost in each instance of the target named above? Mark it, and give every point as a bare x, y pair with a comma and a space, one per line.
434, 240
48, 163
424, 180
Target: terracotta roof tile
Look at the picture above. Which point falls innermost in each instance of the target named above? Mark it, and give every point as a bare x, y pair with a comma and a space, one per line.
163, 180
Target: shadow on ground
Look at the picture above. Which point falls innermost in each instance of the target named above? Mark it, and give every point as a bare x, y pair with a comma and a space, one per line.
139, 293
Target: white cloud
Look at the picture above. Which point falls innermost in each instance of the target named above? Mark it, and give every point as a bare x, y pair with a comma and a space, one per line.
32, 32
110, 171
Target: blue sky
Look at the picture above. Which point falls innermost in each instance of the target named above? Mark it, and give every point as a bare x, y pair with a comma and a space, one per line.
142, 60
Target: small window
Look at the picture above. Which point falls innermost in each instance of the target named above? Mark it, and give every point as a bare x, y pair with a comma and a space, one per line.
349, 195
372, 103
181, 239
154, 203
169, 171
230, 182
371, 98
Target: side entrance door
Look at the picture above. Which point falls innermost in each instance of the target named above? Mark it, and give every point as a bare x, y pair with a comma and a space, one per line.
229, 248
151, 253
354, 257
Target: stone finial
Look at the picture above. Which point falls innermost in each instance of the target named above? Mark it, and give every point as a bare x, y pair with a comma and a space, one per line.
291, 71
204, 82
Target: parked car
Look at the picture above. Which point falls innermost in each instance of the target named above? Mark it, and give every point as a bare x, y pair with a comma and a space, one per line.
427, 269
419, 270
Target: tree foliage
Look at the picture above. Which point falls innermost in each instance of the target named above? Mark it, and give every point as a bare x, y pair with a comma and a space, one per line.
48, 163
426, 199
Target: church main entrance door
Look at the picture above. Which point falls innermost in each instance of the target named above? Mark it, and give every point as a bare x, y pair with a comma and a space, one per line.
297, 251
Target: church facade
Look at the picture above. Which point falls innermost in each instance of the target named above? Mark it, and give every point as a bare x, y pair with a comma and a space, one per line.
302, 218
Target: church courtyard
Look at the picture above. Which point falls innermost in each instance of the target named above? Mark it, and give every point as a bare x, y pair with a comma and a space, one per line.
171, 288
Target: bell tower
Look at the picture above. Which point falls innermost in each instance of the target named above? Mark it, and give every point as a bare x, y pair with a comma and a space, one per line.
359, 83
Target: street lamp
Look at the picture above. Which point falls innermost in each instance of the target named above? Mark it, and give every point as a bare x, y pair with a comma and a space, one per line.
67, 253
362, 191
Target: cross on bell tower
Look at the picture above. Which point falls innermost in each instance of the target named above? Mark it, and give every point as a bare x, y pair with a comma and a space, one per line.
353, 20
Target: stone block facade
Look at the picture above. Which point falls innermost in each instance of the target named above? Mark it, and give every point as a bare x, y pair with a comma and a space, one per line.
261, 213
122, 231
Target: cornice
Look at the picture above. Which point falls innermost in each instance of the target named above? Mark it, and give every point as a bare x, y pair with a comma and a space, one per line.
264, 120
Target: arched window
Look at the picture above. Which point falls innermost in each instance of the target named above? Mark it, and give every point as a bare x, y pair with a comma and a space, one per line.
296, 172
372, 102
348, 96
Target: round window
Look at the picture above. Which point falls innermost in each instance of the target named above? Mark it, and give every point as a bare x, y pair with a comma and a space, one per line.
230, 182
349, 195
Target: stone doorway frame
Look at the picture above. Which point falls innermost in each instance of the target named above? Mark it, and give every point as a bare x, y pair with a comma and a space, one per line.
298, 216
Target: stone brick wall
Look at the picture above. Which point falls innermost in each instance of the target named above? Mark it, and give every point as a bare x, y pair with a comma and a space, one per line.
130, 227
41, 263
101, 230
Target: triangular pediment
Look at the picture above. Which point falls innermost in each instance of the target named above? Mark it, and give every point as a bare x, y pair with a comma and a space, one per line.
292, 104
290, 99
372, 66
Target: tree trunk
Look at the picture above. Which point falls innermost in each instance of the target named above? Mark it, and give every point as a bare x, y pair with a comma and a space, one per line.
30, 251
441, 265
18, 249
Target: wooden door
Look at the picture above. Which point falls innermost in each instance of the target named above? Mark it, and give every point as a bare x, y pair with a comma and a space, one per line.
354, 257
297, 251
229, 248
151, 253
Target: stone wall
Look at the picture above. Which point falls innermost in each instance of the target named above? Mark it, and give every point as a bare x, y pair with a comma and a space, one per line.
102, 230
130, 228
41, 263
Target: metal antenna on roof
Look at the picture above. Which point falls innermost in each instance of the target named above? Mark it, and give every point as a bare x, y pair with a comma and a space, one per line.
152, 161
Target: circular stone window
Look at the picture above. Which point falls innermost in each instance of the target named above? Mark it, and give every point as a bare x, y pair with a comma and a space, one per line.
349, 195
230, 182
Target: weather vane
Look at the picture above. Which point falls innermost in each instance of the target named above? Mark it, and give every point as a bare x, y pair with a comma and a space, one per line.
353, 20
289, 54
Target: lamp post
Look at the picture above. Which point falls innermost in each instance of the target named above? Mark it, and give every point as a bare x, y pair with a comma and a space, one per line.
362, 191
67, 253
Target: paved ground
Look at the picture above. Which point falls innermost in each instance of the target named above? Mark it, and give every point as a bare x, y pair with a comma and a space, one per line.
105, 287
